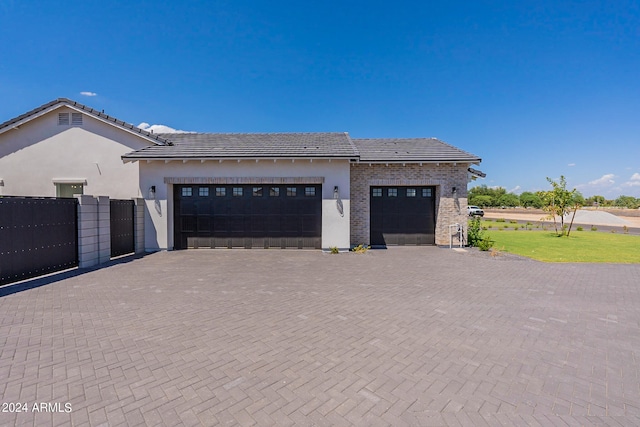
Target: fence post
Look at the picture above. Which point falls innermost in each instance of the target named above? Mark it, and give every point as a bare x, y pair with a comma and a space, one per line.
94, 230
104, 229
88, 254
138, 227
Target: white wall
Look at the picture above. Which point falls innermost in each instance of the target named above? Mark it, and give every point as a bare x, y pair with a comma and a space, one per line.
159, 217
40, 151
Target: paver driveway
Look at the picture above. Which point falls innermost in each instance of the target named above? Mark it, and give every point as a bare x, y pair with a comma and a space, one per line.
407, 336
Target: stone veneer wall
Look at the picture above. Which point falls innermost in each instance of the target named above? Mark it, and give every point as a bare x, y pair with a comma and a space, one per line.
445, 176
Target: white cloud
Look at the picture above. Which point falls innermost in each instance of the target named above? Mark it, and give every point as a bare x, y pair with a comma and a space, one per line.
88, 94
160, 128
605, 186
571, 164
604, 180
608, 186
634, 181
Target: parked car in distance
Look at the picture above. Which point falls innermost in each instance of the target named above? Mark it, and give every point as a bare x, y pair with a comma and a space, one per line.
474, 211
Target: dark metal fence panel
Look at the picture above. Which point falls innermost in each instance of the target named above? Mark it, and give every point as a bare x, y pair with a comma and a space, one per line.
122, 227
37, 236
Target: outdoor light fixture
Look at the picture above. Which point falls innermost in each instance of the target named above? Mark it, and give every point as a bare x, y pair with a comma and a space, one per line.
454, 190
336, 192
152, 192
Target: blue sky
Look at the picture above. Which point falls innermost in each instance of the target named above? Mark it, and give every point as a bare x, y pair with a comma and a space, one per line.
536, 88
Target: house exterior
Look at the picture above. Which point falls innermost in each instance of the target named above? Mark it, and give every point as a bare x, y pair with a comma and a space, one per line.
63, 148
317, 190
269, 190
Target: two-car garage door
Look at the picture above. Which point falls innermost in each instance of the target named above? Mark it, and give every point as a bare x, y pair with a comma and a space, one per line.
248, 216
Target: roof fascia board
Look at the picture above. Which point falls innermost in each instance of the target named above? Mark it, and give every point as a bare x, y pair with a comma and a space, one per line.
31, 117
127, 158
382, 162
113, 122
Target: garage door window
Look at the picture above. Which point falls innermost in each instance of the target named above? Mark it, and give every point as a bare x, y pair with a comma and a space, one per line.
377, 192
392, 192
291, 191
257, 192
426, 192
237, 191
411, 192
221, 191
310, 191
274, 192
203, 191
186, 192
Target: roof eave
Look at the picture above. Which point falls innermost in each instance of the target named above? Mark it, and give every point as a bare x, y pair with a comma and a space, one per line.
16, 122
64, 102
127, 158
428, 161
120, 124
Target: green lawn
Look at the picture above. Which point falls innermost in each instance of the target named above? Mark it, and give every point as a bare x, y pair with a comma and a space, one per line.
581, 246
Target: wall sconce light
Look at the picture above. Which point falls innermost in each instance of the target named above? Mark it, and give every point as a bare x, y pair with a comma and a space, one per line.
454, 190
336, 192
152, 192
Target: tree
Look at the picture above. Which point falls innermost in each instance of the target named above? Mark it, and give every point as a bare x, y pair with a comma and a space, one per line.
482, 201
595, 201
627, 202
493, 194
559, 202
509, 199
530, 200
578, 198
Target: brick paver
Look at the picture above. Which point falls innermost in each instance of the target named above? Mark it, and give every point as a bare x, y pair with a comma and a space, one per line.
406, 336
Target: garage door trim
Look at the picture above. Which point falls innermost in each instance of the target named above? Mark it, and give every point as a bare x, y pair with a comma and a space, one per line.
245, 180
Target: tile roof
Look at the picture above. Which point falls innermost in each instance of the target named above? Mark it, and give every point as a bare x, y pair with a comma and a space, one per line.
249, 145
410, 150
43, 109
266, 145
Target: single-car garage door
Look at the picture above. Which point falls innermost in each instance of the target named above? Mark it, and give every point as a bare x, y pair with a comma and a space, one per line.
247, 216
402, 216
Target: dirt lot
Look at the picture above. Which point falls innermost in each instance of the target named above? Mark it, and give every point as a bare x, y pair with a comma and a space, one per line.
632, 216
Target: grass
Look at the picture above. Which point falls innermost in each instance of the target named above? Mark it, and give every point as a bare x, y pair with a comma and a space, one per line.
579, 247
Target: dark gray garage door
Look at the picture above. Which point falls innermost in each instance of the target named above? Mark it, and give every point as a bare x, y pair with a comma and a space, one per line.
403, 216
248, 216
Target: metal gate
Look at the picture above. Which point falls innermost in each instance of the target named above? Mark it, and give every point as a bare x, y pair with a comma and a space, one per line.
122, 227
37, 236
